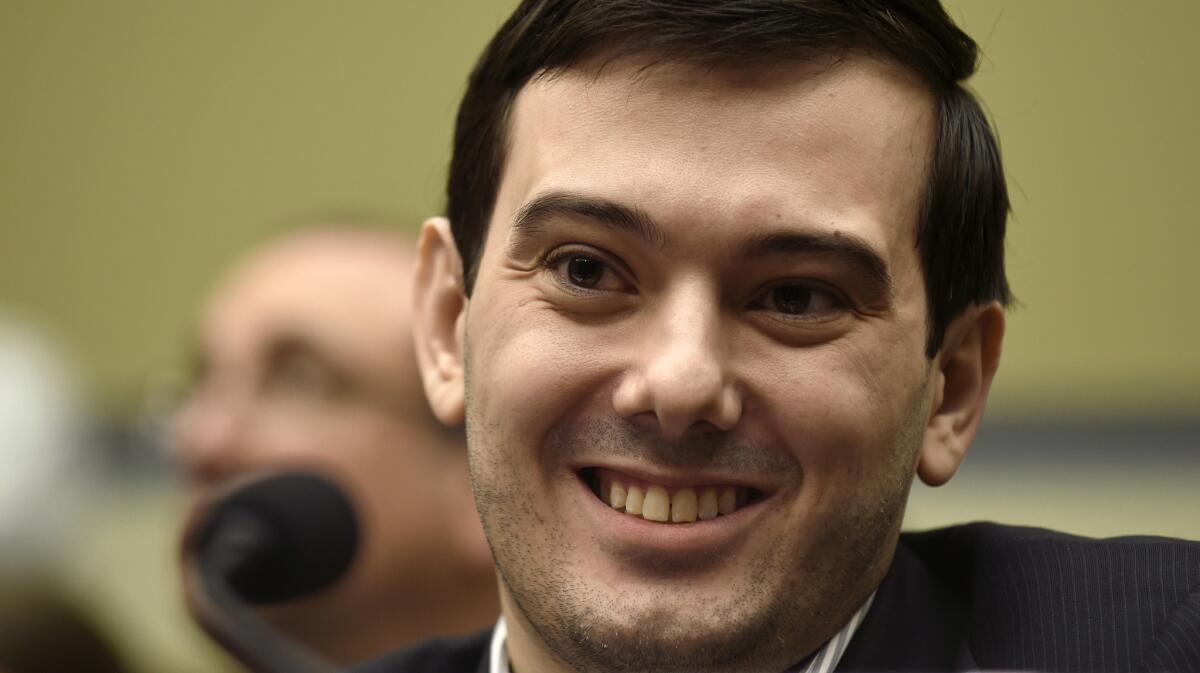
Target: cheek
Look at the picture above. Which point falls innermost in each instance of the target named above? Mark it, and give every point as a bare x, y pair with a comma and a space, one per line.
531, 367
387, 456
392, 479
849, 415
280, 444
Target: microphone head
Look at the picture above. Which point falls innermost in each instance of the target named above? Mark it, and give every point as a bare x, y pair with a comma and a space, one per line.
281, 538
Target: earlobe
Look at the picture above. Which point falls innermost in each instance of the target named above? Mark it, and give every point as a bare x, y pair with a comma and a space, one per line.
439, 310
966, 366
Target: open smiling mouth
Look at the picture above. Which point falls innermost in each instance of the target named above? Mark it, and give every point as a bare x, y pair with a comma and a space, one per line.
666, 504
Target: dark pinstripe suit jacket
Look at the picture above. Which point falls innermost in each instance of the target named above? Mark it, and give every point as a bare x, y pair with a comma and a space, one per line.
984, 596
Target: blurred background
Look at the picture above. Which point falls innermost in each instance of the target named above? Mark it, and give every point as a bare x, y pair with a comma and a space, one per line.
145, 145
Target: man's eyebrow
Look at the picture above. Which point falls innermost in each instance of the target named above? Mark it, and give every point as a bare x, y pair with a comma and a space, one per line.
289, 345
845, 247
533, 216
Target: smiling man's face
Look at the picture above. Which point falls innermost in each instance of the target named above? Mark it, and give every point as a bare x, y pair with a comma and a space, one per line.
693, 361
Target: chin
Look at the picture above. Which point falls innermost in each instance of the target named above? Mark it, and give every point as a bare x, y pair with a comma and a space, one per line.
644, 626
666, 640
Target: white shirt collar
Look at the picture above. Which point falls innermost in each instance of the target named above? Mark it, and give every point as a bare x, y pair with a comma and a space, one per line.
823, 660
826, 659
498, 653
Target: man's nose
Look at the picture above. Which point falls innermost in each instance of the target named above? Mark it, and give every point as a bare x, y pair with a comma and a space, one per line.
683, 374
207, 434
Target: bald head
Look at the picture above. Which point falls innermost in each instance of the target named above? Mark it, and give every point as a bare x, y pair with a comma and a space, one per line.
316, 321
305, 360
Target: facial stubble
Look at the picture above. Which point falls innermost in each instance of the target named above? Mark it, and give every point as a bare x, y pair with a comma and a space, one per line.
772, 616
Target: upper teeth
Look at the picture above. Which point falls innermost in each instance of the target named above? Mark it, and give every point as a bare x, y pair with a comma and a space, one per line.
682, 505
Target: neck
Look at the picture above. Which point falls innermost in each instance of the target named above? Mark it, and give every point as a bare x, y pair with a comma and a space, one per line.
526, 651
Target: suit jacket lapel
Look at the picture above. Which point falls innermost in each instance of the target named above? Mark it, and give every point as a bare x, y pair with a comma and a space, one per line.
915, 623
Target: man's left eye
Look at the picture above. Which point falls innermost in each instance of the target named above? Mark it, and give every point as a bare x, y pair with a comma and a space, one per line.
802, 301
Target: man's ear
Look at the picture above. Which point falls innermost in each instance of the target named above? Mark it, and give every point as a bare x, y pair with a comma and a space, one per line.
439, 312
965, 367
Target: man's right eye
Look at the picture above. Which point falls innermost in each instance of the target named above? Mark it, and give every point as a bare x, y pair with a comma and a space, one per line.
579, 270
585, 271
302, 378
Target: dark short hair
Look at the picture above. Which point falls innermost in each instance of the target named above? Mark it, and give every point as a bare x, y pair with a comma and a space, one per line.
960, 234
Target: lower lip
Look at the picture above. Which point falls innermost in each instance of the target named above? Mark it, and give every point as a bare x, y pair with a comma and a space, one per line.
633, 534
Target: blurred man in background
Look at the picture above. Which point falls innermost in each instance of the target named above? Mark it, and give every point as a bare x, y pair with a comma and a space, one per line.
305, 360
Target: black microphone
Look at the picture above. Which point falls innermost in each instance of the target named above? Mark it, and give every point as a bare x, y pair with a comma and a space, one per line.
276, 539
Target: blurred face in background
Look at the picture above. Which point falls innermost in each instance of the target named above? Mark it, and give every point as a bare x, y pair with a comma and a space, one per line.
305, 361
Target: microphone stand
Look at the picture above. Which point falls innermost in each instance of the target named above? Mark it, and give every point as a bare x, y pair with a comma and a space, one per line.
234, 622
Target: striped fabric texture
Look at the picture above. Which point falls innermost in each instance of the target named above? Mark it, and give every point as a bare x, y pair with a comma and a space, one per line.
1043, 601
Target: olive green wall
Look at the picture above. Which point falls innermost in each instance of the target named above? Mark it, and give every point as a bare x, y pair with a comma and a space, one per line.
143, 144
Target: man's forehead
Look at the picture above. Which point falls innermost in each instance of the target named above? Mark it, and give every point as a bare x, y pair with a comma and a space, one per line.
643, 83
819, 139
